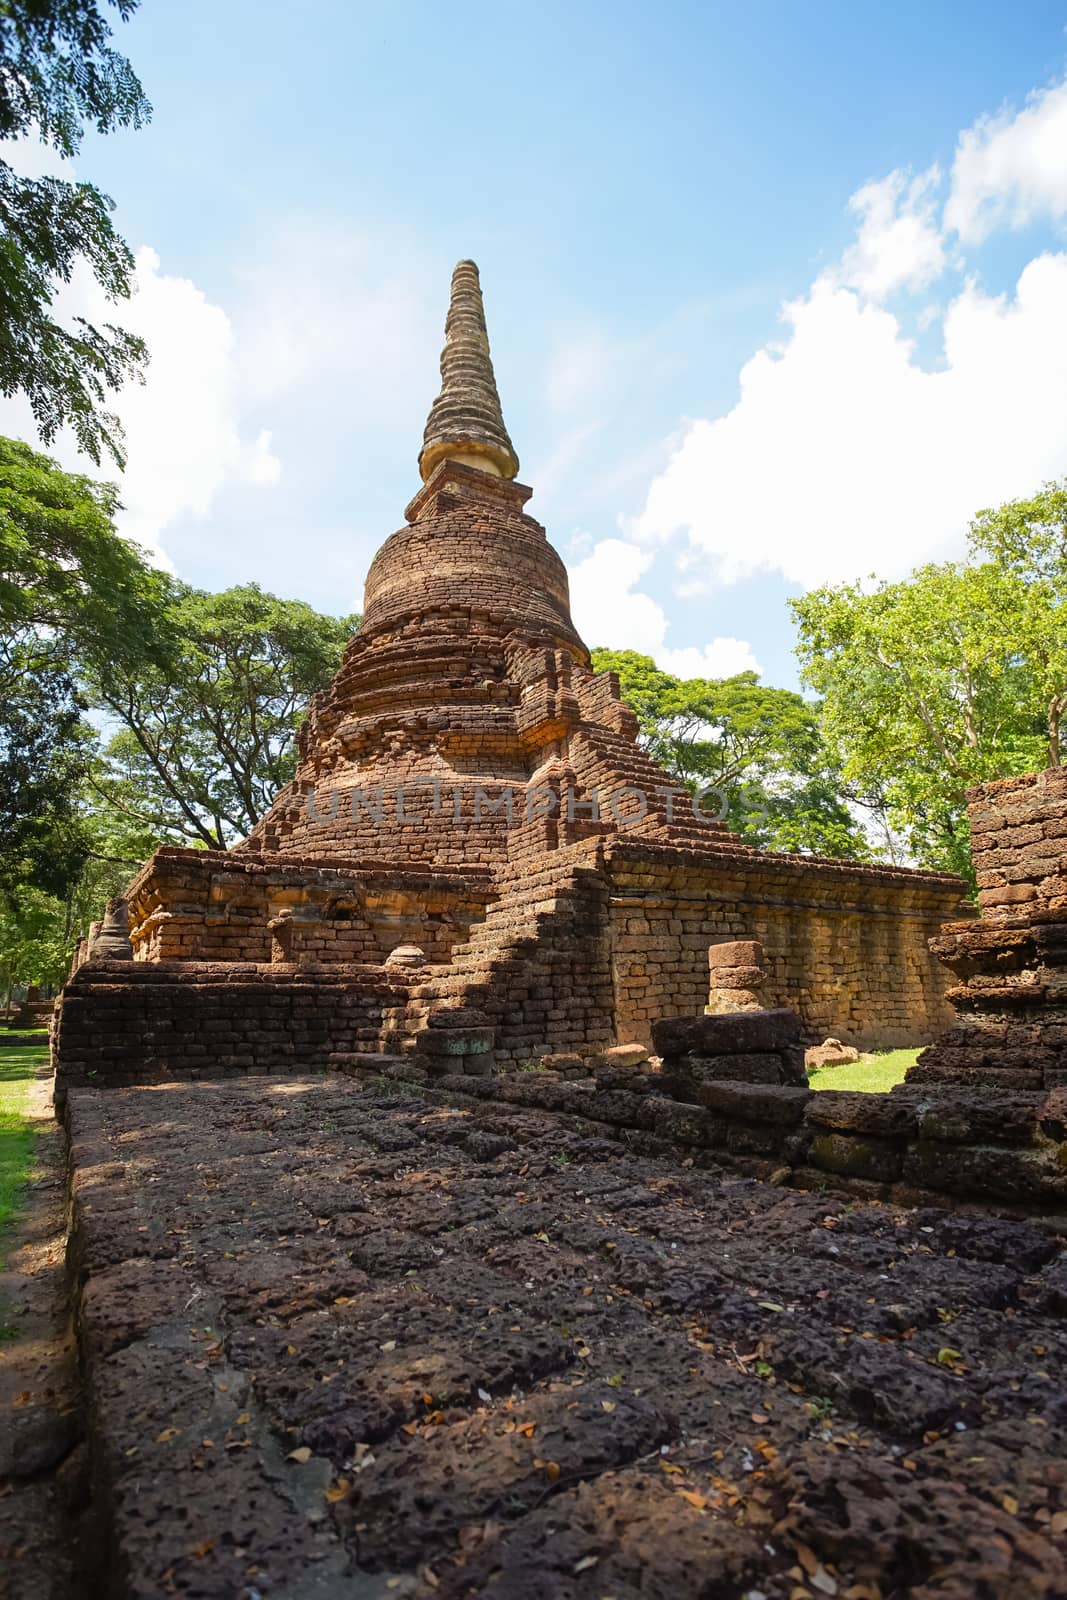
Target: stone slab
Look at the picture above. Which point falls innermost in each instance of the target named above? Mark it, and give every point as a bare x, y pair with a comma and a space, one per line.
885, 1114
734, 1033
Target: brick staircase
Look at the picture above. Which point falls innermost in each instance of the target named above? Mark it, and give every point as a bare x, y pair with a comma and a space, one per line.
538, 969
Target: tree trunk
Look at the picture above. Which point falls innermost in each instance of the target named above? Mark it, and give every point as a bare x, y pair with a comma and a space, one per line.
1054, 712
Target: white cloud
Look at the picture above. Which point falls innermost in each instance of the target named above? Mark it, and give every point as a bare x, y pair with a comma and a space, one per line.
29, 157
1011, 169
844, 455
609, 611
182, 426
722, 658
183, 435
899, 243
182, 429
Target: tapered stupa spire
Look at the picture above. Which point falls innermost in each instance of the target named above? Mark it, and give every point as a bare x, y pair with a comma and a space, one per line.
465, 422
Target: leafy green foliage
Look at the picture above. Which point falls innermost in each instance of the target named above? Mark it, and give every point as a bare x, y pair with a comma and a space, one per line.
34, 943
954, 676
68, 582
207, 739
57, 69
72, 592
43, 753
202, 696
760, 747
57, 72
1027, 540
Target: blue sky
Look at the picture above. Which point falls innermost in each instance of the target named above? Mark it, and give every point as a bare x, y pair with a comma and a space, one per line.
644, 190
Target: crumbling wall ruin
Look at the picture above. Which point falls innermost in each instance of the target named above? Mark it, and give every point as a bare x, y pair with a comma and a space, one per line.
1011, 964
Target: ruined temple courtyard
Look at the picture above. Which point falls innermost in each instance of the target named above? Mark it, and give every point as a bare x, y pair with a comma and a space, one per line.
449, 1213
344, 1342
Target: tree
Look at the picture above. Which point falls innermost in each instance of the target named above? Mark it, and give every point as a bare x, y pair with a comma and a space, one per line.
72, 594
44, 748
33, 946
1027, 539
205, 741
57, 72
70, 585
954, 676
761, 747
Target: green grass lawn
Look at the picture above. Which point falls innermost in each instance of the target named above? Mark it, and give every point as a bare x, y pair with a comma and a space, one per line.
873, 1074
18, 1067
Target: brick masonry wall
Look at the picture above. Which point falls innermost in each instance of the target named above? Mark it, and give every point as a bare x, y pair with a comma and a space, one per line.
141, 1022
1010, 966
845, 947
200, 905
913, 1148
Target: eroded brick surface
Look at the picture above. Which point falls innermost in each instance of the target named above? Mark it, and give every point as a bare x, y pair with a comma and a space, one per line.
338, 1344
1011, 965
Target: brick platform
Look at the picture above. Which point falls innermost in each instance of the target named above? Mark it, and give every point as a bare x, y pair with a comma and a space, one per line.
340, 1343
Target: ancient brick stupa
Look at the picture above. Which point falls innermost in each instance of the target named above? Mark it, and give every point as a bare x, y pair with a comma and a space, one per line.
475, 857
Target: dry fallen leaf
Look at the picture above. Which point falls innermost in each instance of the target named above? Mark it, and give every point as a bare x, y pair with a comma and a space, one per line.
694, 1499
337, 1491
584, 1564
167, 1435
807, 1558
552, 1471
301, 1454
243, 1417
203, 1549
